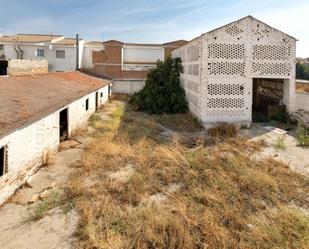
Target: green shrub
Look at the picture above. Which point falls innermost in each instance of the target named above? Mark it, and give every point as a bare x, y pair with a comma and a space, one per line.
303, 136
162, 92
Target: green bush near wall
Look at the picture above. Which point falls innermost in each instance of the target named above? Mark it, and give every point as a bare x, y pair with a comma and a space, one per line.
162, 92
303, 136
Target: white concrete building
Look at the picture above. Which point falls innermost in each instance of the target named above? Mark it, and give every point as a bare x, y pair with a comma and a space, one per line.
60, 52
36, 113
236, 69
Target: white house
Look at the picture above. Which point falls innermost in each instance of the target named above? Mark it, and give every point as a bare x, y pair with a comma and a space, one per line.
36, 113
59, 51
233, 71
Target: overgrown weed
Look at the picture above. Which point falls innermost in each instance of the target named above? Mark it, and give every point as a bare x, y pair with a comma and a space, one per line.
126, 197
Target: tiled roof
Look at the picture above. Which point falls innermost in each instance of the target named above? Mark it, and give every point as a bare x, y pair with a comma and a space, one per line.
26, 99
29, 38
95, 43
66, 41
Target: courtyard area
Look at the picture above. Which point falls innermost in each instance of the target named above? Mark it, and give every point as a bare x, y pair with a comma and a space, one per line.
133, 180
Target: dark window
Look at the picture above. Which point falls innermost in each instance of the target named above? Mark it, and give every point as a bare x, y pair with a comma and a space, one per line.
101, 95
3, 67
60, 54
63, 124
40, 52
87, 104
3, 168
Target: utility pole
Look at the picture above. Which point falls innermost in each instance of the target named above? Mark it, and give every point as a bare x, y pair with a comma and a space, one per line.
77, 52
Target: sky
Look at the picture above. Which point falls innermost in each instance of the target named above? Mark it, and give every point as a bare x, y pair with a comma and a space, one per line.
151, 21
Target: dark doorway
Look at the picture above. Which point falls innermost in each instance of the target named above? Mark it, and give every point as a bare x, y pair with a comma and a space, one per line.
267, 97
109, 90
96, 101
3, 67
2, 161
63, 124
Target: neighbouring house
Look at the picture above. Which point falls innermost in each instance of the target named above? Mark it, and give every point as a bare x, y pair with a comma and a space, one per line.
17, 67
89, 48
36, 113
239, 69
128, 64
60, 52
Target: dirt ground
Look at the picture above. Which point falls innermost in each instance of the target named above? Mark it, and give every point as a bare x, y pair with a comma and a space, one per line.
281, 147
54, 230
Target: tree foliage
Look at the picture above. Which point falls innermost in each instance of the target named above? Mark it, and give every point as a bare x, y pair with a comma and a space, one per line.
162, 92
302, 71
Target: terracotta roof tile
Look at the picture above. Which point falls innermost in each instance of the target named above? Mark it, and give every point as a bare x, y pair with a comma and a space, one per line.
26, 99
29, 38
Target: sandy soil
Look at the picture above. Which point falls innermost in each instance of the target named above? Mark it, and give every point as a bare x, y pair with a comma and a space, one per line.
295, 156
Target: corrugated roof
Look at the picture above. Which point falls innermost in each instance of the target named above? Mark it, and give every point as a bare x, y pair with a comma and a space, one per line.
26, 99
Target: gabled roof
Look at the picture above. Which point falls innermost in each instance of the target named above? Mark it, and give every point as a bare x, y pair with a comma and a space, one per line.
175, 43
66, 41
94, 43
239, 20
113, 42
26, 99
249, 16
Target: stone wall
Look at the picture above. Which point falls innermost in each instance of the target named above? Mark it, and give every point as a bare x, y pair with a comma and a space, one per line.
23, 67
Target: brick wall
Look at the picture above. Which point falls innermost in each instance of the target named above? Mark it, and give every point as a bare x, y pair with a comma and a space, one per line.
108, 61
24, 67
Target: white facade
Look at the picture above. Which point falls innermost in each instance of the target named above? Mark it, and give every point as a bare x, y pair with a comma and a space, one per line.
49, 50
219, 68
27, 146
87, 54
302, 101
30, 51
141, 57
127, 86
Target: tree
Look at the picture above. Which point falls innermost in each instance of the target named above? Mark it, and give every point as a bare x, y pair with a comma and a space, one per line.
162, 92
302, 71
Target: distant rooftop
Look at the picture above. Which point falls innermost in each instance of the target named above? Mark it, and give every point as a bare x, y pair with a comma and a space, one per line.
29, 38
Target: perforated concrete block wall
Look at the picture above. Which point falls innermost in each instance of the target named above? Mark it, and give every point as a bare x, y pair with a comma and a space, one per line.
191, 77
229, 58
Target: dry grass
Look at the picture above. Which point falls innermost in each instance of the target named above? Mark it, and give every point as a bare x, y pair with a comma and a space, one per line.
179, 122
134, 191
223, 131
302, 88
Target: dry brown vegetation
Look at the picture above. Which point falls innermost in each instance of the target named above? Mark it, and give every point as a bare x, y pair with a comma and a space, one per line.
302, 87
135, 190
179, 122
